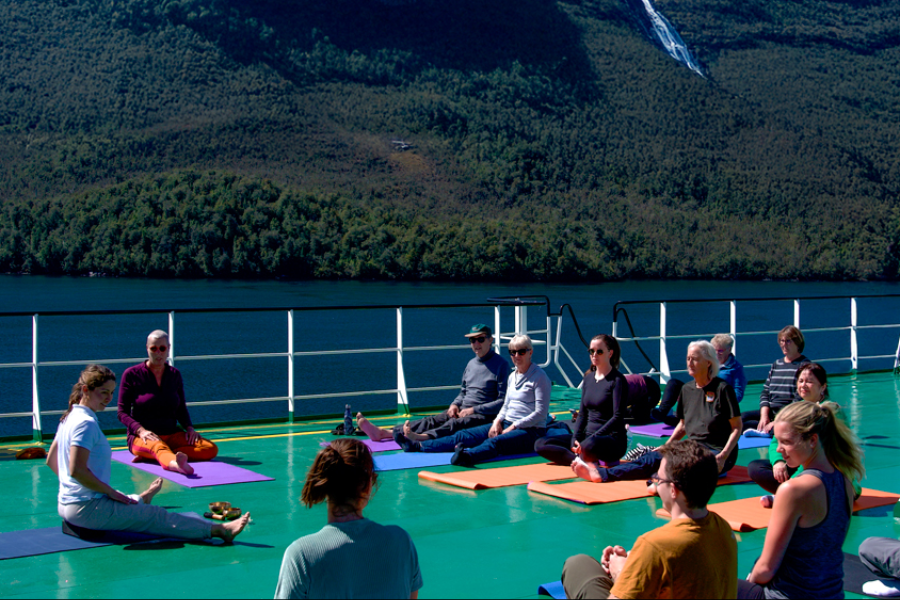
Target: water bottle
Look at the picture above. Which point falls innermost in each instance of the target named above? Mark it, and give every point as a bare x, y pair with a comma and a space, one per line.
348, 421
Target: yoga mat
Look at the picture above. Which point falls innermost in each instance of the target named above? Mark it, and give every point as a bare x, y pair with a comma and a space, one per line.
659, 430
479, 479
206, 474
33, 542
420, 460
856, 574
749, 515
383, 446
554, 590
590, 493
746, 442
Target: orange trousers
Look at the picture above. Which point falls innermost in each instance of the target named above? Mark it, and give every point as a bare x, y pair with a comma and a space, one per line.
163, 450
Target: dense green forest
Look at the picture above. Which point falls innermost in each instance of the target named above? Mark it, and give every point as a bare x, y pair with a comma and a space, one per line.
548, 140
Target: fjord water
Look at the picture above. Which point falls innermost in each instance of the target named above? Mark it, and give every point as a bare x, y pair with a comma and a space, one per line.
101, 338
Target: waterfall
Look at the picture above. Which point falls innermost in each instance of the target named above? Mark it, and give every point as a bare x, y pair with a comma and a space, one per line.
664, 33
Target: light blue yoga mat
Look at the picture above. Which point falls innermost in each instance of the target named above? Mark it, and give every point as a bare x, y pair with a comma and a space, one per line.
747, 442
554, 590
32, 542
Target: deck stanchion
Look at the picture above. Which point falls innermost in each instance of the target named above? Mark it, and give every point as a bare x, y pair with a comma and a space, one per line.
664, 373
521, 320
402, 398
497, 329
733, 326
854, 350
171, 338
37, 434
290, 316
797, 314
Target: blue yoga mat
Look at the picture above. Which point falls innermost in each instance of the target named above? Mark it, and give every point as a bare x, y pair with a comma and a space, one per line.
554, 590
422, 460
32, 542
753, 442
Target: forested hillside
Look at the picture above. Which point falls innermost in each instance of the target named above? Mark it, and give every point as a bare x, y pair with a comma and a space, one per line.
549, 140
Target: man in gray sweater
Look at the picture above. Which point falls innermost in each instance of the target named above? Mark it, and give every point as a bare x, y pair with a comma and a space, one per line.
478, 402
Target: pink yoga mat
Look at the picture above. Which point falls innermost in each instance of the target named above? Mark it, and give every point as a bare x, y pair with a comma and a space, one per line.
206, 474
659, 430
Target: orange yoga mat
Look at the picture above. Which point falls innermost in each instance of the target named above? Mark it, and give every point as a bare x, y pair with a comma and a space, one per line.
748, 514
586, 492
480, 479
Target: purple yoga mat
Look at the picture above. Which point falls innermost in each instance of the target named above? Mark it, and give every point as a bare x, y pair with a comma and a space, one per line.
659, 430
373, 446
206, 474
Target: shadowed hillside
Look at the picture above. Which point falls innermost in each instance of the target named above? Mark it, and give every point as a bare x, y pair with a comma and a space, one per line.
549, 140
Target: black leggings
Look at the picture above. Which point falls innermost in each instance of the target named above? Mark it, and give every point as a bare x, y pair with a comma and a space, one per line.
750, 419
558, 448
762, 473
670, 397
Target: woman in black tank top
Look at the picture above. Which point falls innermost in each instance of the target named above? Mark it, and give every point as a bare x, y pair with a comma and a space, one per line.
802, 555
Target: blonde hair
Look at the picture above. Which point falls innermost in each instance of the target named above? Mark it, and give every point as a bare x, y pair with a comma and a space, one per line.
840, 444
520, 342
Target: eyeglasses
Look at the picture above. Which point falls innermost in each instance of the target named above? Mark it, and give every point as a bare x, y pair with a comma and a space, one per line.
521, 352
786, 342
480, 339
158, 348
655, 478
592, 352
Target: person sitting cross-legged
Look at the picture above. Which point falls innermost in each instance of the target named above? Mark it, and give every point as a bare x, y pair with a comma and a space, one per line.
522, 420
693, 556
882, 556
707, 413
479, 400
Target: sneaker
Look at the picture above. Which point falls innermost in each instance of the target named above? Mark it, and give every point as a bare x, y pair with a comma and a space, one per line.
637, 452
461, 458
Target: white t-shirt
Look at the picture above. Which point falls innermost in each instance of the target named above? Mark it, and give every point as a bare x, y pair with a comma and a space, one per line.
81, 428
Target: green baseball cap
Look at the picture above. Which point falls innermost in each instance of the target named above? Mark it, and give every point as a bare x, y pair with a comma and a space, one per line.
479, 329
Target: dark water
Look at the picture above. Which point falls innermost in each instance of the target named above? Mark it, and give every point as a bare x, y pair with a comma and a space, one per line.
103, 338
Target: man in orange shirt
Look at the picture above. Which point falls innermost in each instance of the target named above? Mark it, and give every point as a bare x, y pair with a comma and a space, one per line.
693, 556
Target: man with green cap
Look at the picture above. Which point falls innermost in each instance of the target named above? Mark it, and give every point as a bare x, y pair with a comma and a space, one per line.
478, 402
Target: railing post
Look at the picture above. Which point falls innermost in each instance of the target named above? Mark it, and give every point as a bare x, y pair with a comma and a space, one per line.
497, 329
521, 320
797, 314
36, 431
664, 372
733, 327
402, 398
854, 349
290, 316
172, 338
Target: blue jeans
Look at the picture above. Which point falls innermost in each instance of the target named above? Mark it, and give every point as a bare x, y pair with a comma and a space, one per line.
645, 466
481, 447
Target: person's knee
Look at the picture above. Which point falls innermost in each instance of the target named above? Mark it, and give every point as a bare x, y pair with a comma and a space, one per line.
579, 564
873, 549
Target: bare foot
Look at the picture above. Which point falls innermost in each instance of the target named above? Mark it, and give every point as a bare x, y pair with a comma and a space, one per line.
586, 471
180, 464
652, 489
229, 531
148, 494
376, 434
419, 437
767, 501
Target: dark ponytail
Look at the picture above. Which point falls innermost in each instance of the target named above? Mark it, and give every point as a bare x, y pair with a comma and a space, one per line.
93, 377
343, 473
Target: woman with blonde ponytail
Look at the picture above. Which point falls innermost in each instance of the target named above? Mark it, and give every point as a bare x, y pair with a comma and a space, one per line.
351, 557
802, 555
81, 457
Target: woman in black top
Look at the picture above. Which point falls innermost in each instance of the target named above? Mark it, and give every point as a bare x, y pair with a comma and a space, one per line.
600, 427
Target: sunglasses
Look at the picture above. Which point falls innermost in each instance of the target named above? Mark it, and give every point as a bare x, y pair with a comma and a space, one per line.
480, 339
521, 352
158, 348
592, 352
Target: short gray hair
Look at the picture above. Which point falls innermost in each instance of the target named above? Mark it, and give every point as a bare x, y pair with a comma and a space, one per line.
709, 353
723, 340
158, 334
520, 342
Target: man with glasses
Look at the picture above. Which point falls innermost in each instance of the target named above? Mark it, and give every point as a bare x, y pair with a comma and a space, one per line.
478, 402
692, 556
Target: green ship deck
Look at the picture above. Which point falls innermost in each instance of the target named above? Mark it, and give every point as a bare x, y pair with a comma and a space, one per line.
496, 543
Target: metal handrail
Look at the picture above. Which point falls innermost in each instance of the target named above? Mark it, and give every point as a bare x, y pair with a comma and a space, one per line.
402, 391
665, 372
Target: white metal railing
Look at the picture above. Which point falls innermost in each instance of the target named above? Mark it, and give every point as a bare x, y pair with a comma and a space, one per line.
540, 337
665, 372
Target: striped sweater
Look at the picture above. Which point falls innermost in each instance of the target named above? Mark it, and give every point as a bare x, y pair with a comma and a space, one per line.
780, 388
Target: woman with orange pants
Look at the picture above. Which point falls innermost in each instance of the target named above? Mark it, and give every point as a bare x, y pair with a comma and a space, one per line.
152, 405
